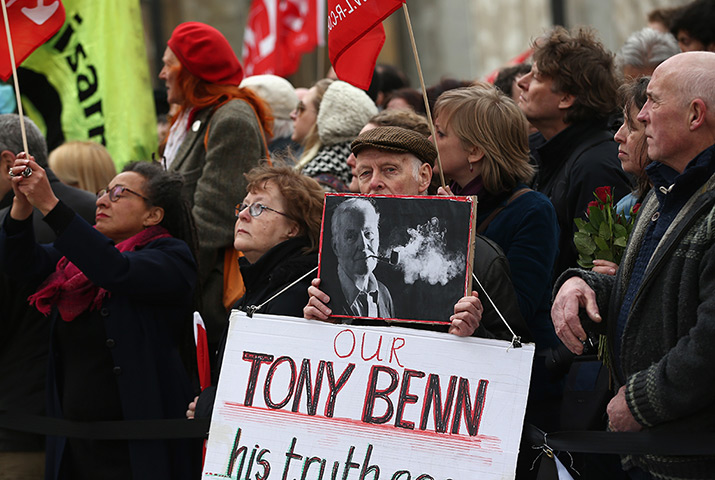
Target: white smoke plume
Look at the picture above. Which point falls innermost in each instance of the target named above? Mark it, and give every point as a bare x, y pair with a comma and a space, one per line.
425, 256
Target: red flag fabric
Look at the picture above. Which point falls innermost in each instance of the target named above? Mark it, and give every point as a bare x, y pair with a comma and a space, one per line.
202, 351
279, 32
32, 23
521, 58
356, 36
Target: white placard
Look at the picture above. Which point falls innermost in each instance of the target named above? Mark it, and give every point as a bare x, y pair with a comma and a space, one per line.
300, 399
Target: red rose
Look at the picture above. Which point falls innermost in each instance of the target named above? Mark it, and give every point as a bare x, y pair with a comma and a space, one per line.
603, 193
636, 207
593, 204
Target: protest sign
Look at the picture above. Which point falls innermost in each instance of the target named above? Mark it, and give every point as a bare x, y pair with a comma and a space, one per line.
301, 399
413, 255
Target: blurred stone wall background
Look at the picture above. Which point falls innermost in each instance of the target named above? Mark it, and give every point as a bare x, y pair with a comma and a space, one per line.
465, 39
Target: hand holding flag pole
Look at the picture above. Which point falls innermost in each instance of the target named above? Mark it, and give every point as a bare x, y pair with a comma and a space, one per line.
14, 76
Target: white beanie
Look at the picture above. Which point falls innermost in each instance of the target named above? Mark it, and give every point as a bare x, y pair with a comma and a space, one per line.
344, 110
276, 91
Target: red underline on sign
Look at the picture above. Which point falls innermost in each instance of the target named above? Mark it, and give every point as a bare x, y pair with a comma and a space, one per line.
414, 439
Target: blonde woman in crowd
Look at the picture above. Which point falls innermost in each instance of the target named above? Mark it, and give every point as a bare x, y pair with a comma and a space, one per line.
328, 118
83, 164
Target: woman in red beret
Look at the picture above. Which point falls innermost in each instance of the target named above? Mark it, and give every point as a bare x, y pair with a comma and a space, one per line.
218, 133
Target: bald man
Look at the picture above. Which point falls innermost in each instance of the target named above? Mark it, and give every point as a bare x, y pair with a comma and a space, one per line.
659, 311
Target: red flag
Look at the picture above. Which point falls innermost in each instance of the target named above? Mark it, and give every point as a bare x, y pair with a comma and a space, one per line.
279, 32
521, 58
32, 23
356, 36
202, 351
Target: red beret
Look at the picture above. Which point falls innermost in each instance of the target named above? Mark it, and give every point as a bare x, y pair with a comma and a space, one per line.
206, 53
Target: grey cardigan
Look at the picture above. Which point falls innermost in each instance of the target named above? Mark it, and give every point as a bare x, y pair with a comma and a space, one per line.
667, 349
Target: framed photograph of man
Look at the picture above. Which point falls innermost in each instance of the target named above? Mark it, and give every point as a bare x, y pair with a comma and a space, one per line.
396, 258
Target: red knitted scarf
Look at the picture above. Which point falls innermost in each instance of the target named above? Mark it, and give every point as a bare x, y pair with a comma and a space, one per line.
72, 292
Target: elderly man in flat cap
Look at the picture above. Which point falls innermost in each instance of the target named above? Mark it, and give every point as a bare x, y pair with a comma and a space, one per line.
397, 161
393, 161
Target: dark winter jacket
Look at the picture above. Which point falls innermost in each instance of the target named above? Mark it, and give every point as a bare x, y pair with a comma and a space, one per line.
148, 308
277, 268
571, 165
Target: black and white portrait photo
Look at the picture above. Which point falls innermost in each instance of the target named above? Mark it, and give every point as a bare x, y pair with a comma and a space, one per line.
396, 258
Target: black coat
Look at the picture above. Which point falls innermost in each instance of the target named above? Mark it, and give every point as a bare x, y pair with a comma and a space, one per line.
572, 165
26, 333
277, 268
151, 291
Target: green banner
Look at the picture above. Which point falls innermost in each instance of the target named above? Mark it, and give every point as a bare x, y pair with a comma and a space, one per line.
91, 81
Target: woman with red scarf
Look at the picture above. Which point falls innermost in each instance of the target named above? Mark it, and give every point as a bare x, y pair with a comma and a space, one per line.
119, 297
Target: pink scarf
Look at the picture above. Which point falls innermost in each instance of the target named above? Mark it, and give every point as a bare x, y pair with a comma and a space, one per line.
72, 292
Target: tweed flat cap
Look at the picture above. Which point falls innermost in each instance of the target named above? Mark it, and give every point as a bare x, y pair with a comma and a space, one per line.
397, 140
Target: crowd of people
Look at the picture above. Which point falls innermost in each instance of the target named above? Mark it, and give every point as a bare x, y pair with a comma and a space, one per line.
98, 292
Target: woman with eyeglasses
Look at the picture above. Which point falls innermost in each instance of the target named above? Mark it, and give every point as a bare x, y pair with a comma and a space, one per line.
278, 231
119, 299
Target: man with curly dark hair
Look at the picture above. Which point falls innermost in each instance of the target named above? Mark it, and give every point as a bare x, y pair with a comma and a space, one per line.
569, 96
694, 26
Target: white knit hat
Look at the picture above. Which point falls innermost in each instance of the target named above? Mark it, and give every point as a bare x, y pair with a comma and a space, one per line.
344, 110
276, 91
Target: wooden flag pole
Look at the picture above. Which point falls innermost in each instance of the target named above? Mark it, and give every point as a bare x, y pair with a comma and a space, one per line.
14, 76
424, 92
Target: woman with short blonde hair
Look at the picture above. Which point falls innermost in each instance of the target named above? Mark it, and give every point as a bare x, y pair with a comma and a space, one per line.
83, 164
483, 117
482, 140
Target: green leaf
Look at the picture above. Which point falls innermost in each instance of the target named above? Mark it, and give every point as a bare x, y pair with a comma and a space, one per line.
604, 255
580, 223
604, 231
596, 216
584, 243
620, 231
584, 262
620, 242
588, 228
601, 244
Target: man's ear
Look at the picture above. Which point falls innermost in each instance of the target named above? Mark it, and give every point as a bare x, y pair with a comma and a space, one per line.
567, 100
154, 217
697, 114
424, 175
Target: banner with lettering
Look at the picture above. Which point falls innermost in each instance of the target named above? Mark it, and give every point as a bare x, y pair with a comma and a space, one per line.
91, 81
301, 399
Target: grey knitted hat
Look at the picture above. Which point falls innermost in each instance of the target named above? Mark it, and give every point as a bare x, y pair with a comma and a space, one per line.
397, 140
343, 112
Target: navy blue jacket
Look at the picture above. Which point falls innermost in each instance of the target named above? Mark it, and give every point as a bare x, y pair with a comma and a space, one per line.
528, 233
